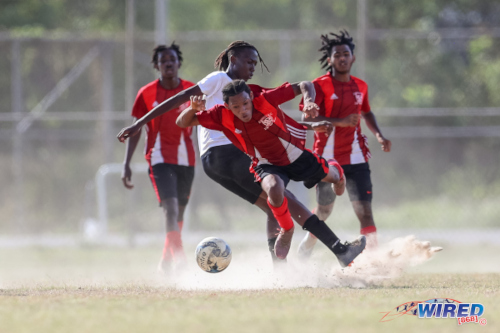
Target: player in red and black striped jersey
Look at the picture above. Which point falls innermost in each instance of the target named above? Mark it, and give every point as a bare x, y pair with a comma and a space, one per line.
169, 150
343, 100
258, 127
221, 160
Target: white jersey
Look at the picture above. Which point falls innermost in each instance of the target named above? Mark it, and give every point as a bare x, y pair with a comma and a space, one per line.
211, 86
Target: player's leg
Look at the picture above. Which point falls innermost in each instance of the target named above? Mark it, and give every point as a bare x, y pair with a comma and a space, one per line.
359, 186
325, 198
228, 166
311, 169
335, 176
164, 179
274, 186
184, 184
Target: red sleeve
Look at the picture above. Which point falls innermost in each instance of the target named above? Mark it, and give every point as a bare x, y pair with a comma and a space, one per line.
365, 107
139, 109
280, 95
211, 118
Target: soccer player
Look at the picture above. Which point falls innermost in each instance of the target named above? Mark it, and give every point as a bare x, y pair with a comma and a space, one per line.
169, 150
222, 161
258, 127
343, 100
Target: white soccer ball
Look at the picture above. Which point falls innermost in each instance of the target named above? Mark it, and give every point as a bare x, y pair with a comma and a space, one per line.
213, 255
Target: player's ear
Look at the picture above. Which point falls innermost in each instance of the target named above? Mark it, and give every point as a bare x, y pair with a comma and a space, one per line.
232, 59
251, 95
226, 105
353, 58
155, 66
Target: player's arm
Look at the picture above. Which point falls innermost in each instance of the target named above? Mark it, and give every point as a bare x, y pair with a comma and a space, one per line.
349, 121
306, 88
129, 152
188, 117
319, 127
169, 104
371, 122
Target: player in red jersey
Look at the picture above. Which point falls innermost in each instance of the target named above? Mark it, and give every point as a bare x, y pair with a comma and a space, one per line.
221, 160
169, 150
343, 100
258, 127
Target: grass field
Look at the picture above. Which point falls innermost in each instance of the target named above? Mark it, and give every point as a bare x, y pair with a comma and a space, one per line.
98, 289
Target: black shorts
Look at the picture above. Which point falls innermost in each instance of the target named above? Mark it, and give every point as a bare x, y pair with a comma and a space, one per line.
309, 168
358, 185
172, 181
230, 167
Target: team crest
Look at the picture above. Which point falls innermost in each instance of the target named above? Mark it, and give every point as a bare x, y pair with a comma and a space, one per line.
267, 120
359, 98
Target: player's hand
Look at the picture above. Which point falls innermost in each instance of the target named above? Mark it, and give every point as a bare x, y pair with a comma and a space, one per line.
127, 177
197, 103
385, 144
351, 120
311, 109
323, 127
127, 132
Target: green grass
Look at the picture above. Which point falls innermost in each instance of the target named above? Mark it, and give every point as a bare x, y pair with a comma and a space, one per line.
141, 308
117, 290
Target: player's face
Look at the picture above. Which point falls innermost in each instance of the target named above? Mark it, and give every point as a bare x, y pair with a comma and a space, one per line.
168, 64
244, 63
341, 59
241, 105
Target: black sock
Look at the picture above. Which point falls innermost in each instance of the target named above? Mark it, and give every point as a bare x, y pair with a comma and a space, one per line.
322, 232
270, 243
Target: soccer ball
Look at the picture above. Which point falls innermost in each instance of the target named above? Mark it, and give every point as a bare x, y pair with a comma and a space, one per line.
213, 255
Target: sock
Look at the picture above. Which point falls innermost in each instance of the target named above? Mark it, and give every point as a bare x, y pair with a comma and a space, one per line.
270, 244
167, 255
319, 229
282, 214
175, 244
371, 236
368, 230
181, 225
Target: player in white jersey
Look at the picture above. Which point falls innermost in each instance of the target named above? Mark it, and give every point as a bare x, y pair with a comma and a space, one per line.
222, 161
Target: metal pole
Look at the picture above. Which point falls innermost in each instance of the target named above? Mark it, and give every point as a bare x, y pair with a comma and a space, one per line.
107, 102
361, 42
160, 22
129, 56
17, 145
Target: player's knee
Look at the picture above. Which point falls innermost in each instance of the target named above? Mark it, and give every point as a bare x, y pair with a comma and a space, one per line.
275, 188
324, 210
170, 207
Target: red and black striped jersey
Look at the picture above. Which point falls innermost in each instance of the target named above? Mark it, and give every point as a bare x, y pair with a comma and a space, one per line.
338, 100
270, 136
165, 141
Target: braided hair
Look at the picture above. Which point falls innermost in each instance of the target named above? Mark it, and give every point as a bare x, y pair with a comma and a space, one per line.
222, 61
161, 48
327, 44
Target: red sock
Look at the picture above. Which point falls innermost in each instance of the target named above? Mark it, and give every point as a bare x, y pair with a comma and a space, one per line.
175, 243
282, 214
368, 230
181, 225
371, 236
167, 254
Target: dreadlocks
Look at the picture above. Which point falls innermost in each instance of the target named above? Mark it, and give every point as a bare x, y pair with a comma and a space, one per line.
327, 44
222, 61
161, 48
